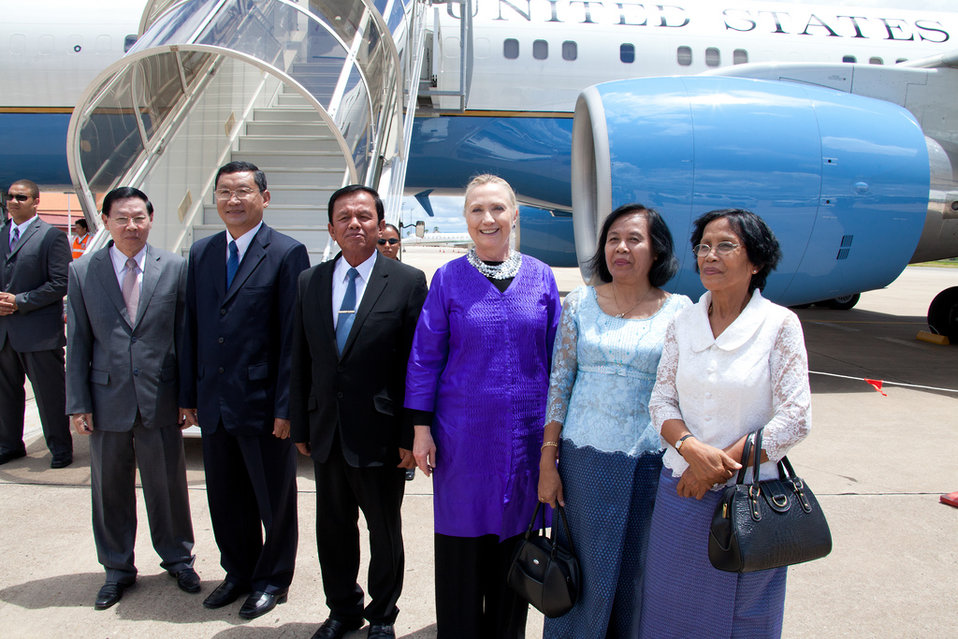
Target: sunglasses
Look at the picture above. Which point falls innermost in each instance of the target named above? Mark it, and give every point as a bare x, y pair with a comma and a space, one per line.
392, 240
19, 197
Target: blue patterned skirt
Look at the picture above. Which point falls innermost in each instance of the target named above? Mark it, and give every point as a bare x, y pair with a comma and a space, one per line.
684, 596
609, 499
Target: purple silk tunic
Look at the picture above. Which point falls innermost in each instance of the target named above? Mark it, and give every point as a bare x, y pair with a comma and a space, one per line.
480, 361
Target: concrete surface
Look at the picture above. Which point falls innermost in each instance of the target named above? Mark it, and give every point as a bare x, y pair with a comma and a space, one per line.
878, 465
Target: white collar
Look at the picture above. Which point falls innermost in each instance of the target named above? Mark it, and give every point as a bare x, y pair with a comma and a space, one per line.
738, 332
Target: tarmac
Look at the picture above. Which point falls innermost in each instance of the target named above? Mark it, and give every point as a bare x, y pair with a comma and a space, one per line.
878, 464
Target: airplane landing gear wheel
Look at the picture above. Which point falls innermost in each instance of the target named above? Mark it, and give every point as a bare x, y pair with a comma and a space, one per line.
844, 303
943, 314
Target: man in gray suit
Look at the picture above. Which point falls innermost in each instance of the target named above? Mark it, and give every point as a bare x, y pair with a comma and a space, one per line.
123, 316
33, 280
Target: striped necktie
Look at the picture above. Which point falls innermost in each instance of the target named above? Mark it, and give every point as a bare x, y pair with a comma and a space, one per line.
347, 312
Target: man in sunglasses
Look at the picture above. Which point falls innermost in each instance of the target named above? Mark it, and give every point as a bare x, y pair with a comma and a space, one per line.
389, 242
33, 280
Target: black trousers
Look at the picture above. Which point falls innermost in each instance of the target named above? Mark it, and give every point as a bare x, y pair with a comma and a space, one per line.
473, 600
341, 491
251, 487
45, 370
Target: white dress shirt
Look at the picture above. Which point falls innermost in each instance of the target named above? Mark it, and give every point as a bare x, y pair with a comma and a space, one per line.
22, 227
340, 281
754, 374
119, 265
242, 242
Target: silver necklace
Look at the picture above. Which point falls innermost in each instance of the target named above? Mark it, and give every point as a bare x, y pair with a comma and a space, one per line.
509, 268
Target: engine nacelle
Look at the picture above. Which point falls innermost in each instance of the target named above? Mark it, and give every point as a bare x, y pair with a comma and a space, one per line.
842, 180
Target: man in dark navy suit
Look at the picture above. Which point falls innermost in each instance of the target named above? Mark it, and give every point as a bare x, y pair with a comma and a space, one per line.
235, 362
355, 320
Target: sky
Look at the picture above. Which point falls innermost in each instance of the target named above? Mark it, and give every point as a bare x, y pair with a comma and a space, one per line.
448, 210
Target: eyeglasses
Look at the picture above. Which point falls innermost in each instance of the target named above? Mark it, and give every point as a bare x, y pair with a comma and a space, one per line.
227, 194
392, 240
722, 248
138, 220
19, 197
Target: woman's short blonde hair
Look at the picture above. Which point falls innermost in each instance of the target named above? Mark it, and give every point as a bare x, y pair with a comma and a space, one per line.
488, 178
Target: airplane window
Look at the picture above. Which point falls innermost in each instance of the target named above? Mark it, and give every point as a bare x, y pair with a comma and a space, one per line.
46, 44
510, 48
570, 50
900, 60
712, 57
684, 55
740, 56
627, 53
18, 44
540, 49
875, 60
128, 42
103, 43
850, 59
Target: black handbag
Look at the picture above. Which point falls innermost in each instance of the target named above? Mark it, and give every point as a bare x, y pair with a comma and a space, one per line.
543, 572
767, 524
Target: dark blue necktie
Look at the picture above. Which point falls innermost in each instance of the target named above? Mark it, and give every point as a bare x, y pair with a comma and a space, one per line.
14, 236
232, 264
347, 312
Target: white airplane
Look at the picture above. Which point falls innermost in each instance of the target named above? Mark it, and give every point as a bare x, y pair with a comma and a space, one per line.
835, 123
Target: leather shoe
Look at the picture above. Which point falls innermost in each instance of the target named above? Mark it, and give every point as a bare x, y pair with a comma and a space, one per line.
10, 455
224, 594
187, 580
110, 593
336, 629
61, 461
260, 602
381, 631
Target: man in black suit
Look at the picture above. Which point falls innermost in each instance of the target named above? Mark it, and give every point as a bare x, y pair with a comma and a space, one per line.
355, 318
33, 280
234, 373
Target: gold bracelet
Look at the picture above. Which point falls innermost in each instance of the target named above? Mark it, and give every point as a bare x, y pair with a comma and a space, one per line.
544, 444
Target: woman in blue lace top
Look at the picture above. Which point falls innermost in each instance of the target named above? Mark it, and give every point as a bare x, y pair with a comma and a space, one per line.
601, 456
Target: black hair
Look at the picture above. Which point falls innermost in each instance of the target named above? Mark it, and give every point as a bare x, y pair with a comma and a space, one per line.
241, 167
82, 223
393, 227
123, 193
664, 264
352, 188
760, 243
30, 185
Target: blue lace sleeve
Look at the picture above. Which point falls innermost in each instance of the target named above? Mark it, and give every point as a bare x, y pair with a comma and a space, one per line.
564, 358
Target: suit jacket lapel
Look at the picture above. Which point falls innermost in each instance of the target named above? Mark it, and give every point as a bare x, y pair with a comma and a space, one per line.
374, 289
101, 268
322, 292
151, 273
24, 238
254, 255
212, 264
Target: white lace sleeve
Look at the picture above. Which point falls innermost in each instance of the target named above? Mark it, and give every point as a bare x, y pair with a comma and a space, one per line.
564, 358
664, 403
792, 416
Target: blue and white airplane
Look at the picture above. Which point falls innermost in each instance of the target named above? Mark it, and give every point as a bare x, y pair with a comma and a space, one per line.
837, 124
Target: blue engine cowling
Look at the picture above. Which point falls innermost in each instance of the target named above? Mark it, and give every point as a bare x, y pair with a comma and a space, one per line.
842, 180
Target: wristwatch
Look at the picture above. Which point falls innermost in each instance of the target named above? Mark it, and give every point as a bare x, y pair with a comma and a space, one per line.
678, 444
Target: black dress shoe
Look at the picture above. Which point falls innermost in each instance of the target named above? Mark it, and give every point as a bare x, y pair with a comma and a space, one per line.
225, 594
10, 455
187, 580
61, 461
381, 631
336, 629
110, 593
260, 602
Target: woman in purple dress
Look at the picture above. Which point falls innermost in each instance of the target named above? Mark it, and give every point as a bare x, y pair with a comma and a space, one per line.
477, 383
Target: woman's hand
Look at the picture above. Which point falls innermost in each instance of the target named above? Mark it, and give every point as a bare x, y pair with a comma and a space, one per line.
550, 485
690, 487
424, 450
707, 464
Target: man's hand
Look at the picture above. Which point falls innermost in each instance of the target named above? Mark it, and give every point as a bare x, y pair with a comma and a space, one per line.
406, 459
281, 428
82, 423
303, 448
8, 303
187, 418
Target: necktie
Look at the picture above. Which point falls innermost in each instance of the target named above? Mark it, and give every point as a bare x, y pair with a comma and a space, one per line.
347, 312
232, 264
131, 292
14, 236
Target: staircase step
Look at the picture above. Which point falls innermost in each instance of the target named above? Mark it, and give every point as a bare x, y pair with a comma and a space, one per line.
265, 127
292, 159
286, 114
286, 143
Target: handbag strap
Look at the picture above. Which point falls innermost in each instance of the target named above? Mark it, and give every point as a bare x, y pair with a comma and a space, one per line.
565, 528
532, 524
758, 455
746, 449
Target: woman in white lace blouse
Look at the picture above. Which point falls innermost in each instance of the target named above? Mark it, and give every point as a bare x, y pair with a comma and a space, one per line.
732, 363
609, 454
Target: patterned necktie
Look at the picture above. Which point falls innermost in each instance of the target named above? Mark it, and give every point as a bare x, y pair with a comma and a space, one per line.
347, 312
131, 292
14, 236
232, 264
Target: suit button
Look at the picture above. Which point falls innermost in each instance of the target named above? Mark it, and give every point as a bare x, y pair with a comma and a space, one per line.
220, 340
136, 371
340, 369
222, 311
339, 394
133, 339
220, 370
